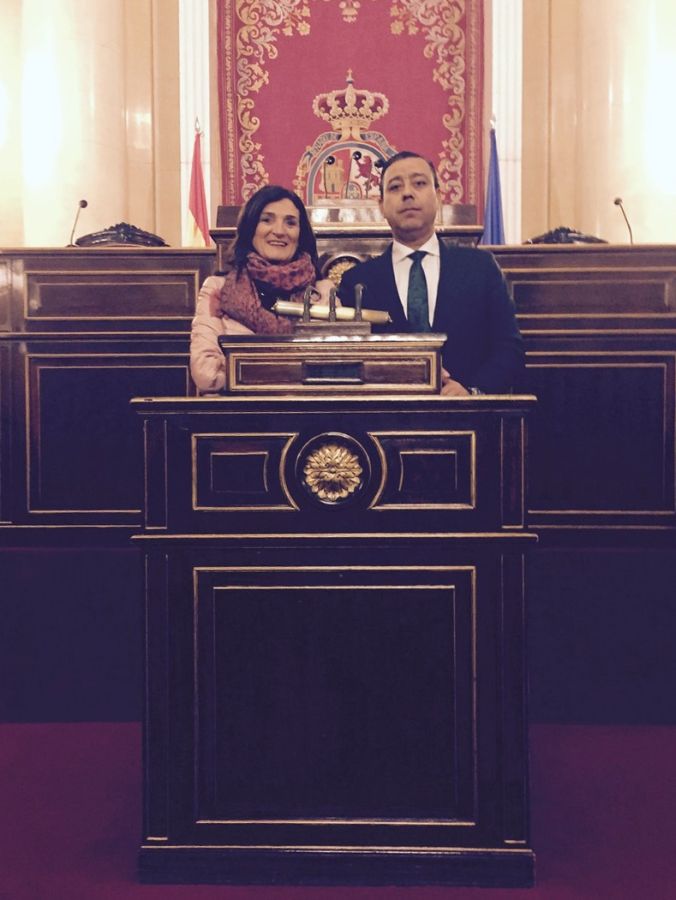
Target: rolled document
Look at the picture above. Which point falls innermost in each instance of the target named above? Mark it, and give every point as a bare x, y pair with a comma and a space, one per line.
321, 311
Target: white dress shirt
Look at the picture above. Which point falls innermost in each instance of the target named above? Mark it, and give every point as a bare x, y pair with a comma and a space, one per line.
401, 263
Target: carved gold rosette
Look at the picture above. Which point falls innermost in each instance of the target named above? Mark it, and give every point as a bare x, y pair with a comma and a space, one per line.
332, 472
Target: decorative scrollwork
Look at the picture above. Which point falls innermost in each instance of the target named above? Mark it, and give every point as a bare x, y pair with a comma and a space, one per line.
256, 43
332, 472
452, 35
447, 44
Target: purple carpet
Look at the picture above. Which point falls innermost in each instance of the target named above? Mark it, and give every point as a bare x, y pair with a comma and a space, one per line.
603, 814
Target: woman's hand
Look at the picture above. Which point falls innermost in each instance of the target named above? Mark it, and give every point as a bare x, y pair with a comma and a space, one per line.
321, 292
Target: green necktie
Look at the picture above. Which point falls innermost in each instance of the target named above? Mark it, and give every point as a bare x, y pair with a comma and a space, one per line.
417, 309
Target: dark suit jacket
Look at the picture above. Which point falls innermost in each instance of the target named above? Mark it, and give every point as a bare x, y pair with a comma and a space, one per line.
484, 347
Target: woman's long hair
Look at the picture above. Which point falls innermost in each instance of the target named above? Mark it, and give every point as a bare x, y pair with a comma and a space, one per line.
242, 245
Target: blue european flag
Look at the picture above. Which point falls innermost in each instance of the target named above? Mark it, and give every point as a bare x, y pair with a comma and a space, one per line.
494, 229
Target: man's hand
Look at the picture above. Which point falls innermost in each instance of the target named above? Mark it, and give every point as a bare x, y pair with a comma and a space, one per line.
450, 388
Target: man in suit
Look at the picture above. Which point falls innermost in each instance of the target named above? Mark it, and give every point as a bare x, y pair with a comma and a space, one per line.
426, 285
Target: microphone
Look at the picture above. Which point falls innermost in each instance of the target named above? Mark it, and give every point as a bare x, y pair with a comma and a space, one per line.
81, 205
618, 202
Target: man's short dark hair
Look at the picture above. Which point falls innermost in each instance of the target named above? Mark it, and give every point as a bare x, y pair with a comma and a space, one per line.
405, 154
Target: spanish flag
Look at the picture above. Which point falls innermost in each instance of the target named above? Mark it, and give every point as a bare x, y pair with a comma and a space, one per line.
197, 202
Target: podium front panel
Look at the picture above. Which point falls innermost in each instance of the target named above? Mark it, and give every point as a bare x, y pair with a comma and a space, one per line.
335, 666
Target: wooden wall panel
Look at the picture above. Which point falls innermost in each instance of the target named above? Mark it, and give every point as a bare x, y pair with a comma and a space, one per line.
602, 366
599, 447
83, 442
110, 295
5, 430
373, 735
599, 324
82, 331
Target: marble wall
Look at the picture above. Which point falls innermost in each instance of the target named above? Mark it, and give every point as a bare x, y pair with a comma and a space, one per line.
90, 99
88, 110
598, 118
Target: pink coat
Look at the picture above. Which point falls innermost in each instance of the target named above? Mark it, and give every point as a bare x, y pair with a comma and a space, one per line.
207, 363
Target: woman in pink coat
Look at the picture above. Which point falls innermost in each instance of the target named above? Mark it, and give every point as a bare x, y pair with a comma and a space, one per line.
273, 257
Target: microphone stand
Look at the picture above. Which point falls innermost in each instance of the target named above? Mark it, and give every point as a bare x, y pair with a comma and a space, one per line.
81, 205
618, 202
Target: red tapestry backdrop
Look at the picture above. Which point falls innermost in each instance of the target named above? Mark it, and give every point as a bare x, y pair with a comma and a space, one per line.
303, 81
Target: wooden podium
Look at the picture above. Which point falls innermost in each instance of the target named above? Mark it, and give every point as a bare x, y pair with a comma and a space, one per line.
335, 660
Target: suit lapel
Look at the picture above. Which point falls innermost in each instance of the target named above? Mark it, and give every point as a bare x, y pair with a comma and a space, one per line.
388, 285
443, 288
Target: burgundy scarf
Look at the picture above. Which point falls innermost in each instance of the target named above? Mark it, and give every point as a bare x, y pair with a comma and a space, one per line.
239, 299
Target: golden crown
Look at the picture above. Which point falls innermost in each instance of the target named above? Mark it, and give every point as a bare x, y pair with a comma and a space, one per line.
350, 111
